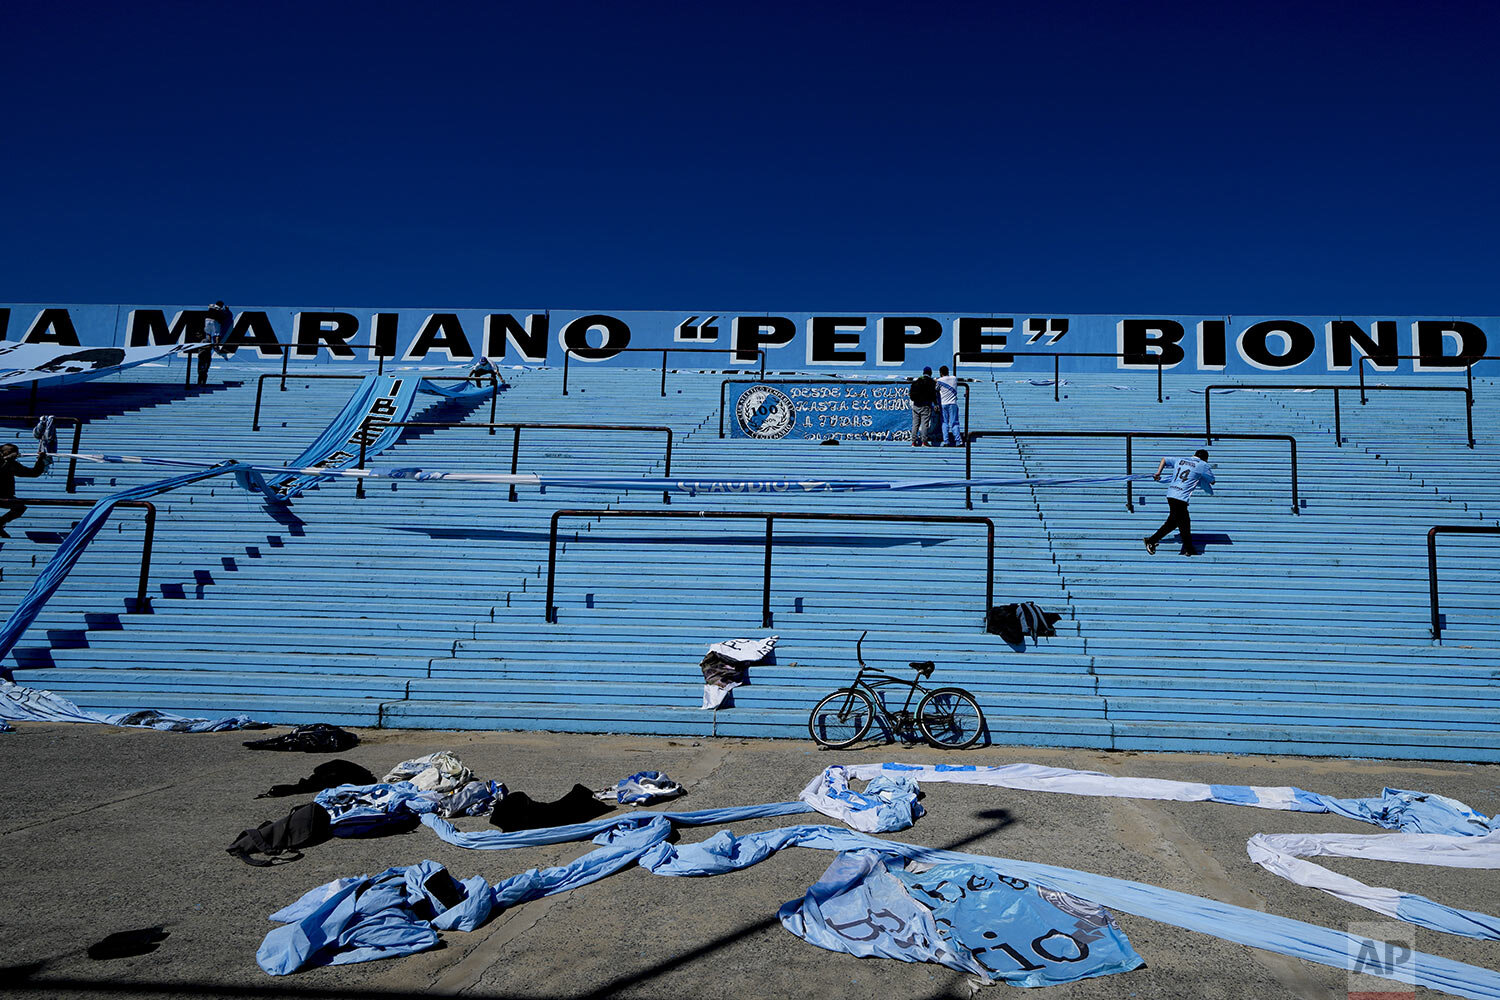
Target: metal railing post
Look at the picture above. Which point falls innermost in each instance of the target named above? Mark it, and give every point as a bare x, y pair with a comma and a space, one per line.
359, 482
968, 468
552, 565
765, 601
286, 359
515, 460
1296, 507
1056, 376
1363, 399
551, 609
566, 354
494, 397
142, 600
1469, 414
664, 373
260, 384
1338, 426
1432, 588
1158, 380
72, 484
1208, 417
1129, 471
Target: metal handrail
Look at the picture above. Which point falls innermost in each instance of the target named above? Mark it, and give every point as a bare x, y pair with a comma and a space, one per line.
770, 517
664, 352
72, 483
1472, 359
1129, 437
1338, 426
286, 354
142, 602
260, 385
820, 380
515, 447
1432, 581
1057, 367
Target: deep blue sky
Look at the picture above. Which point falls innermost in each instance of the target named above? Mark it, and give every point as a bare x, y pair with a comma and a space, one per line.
1265, 158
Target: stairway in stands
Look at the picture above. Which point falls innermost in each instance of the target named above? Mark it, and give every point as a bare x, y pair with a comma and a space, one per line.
423, 605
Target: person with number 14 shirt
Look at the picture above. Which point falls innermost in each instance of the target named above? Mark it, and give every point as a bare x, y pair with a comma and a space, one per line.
1186, 475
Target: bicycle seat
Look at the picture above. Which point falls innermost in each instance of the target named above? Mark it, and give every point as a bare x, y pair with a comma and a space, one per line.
923, 667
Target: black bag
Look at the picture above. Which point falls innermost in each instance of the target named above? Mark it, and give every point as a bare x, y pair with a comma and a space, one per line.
1013, 622
304, 826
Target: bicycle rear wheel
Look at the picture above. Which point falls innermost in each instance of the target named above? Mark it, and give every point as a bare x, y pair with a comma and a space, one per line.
950, 718
842, 718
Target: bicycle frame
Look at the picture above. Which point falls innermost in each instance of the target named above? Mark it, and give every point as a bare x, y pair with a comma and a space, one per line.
859, 682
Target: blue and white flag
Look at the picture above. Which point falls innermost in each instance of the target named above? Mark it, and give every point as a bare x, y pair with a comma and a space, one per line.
49, 364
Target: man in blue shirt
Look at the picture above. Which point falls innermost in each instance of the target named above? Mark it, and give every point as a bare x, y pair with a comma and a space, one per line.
1182, 482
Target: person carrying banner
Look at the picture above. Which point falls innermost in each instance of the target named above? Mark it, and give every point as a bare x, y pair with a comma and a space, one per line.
947, 386
924, 396
1186, 476
10, 468
215, 329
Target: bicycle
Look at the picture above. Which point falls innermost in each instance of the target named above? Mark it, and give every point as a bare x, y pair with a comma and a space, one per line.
947, 717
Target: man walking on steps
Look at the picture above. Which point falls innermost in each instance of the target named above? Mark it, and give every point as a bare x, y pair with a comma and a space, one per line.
1186, 475
10, 468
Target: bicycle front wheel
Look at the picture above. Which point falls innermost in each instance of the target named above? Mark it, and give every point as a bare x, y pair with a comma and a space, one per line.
950, 718
841, 719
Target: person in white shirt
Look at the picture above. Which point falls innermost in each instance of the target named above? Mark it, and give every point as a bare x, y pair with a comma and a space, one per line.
952, 434
1187, 474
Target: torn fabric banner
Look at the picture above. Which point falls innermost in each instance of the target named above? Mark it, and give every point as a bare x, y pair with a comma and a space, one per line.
969, 917
1434, 829
68, 553
377, 402
646, 833
691, 487
24, 704
45, 364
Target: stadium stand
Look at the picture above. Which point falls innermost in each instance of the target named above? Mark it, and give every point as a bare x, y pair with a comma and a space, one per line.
423, 604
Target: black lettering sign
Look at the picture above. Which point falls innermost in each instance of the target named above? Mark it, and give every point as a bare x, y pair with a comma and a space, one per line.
148, 327
978, 336
1344, 335
1430, 335
331, 328
530, 339
384, 327
1212, 351
575, 337
52, 326
754, 333
1144, 343
895, 334
441, 332
1297, 341
831, 335
253, 329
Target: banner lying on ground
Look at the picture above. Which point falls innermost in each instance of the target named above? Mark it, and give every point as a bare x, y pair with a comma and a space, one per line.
49, 364
872, 341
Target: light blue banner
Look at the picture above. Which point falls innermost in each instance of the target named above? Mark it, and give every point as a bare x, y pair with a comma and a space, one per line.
819, 410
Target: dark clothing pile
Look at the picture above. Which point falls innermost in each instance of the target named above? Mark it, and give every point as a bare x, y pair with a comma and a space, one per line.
1014, 622
722, 671
319, 737
329, 774
304, 826
517, 811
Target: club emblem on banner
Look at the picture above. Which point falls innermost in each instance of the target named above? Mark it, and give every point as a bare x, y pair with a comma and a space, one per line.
764, 412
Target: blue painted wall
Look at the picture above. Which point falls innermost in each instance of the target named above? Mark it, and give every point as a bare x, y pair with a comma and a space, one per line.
1310, 346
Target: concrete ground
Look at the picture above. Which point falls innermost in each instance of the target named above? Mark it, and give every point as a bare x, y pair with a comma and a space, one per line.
107, 830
